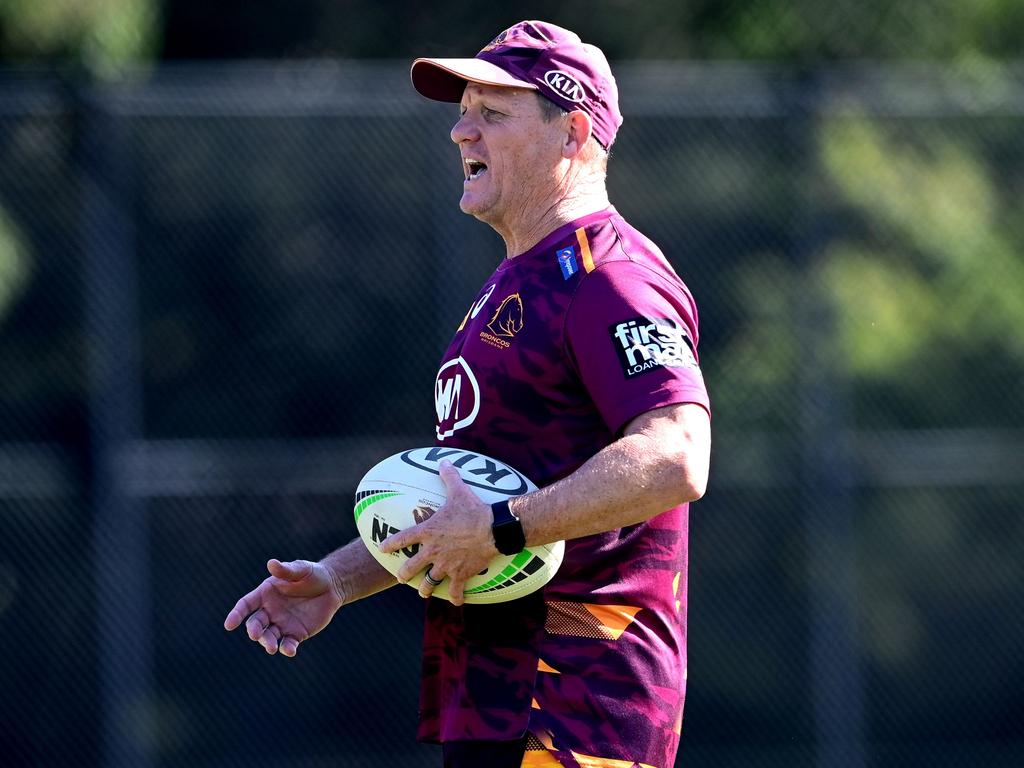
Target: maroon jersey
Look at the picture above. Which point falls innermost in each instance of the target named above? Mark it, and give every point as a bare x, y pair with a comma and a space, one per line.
562, 348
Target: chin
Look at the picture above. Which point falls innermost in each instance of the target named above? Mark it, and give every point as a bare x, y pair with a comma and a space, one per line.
473, 207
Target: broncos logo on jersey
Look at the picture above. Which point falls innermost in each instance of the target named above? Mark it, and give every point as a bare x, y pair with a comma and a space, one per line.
508, 318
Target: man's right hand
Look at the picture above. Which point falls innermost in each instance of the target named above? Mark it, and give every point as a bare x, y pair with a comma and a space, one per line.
291, 605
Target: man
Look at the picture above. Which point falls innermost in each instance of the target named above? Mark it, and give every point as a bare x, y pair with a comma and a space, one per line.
576, 363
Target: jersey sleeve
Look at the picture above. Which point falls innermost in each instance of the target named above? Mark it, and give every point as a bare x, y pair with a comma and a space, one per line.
632, 336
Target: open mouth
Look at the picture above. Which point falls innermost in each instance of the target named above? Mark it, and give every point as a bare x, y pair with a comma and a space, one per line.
474, 169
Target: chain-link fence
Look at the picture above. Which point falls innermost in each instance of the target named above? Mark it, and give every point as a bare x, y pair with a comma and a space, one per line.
223, 295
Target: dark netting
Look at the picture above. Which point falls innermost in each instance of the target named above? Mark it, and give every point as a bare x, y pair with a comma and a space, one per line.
223, 295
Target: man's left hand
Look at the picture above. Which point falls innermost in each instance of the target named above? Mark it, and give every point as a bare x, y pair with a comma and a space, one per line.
455, 542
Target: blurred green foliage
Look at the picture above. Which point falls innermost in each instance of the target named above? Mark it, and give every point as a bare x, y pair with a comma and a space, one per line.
944, 270
14, 264
917, 257
102, 36
809, 30
294, 286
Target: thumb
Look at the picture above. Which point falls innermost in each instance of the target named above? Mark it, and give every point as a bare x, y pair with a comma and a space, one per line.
296, 570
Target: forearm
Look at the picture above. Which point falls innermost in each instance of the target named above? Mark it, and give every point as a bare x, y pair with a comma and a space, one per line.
660, 462
355, 573
659, 465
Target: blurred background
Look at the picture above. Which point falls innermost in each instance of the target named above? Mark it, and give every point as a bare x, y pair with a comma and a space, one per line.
231, 256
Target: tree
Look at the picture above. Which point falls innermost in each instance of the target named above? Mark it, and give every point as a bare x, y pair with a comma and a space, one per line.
102, 36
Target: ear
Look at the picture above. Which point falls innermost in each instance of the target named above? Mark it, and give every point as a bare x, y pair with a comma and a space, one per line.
577, 133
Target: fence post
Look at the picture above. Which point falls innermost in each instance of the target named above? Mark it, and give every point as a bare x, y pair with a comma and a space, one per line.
119, 552
826, 472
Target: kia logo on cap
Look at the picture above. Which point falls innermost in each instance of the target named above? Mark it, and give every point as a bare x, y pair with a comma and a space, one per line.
564, 85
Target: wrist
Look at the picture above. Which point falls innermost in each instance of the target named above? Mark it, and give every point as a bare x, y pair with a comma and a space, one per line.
507, 529
335, 582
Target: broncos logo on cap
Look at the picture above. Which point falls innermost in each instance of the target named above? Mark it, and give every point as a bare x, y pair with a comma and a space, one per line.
499, 40
528, 34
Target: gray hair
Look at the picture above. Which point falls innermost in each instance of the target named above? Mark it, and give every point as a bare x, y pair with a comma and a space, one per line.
550, 111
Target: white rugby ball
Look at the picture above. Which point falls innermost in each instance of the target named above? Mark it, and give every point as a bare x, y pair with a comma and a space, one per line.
405, 489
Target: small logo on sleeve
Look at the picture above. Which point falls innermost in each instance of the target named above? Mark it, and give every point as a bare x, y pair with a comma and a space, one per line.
646, 343
567, 262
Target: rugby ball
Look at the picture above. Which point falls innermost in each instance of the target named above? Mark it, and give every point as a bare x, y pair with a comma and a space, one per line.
406, 489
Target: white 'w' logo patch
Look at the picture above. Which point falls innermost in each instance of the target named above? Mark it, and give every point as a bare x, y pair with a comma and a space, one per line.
456, 397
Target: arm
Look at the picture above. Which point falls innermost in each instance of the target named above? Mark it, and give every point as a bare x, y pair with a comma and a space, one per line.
354, 572
300, 598
661, 461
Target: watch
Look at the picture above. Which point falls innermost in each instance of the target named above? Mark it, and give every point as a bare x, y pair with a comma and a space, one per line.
509, 537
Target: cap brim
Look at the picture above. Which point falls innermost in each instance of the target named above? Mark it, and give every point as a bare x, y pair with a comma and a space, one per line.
445, 79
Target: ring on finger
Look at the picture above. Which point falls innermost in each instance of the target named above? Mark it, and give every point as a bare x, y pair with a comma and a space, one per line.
429, 577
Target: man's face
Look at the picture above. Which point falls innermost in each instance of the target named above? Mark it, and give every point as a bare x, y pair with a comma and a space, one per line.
509, 154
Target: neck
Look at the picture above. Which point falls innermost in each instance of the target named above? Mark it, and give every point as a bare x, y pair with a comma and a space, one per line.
533, 225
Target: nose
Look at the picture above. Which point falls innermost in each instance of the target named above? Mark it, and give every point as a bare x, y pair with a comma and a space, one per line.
464, 130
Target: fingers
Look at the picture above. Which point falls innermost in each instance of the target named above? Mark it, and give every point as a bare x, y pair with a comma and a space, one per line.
289, 646
431, 581
252, 609
250, 603
449, 476
262, 631
412, 566
273, 642
270, 636
257, 624
414, 534
245, 606
456, 590
401, 540
270, 639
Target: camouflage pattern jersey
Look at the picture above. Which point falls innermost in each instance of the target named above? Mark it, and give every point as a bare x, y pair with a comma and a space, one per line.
563, 346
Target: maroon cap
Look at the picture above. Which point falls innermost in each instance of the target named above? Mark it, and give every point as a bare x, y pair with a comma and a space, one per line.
536, 55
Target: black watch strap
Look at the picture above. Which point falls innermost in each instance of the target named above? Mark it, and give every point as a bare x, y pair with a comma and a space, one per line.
509, 537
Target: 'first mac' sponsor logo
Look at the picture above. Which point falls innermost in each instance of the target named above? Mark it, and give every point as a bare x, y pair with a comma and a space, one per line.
565, 85
456, 397
646, 343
